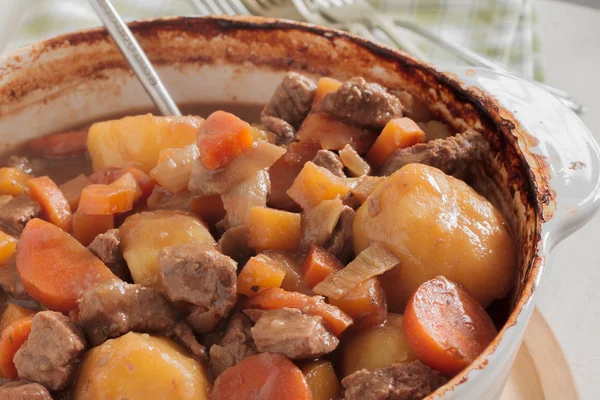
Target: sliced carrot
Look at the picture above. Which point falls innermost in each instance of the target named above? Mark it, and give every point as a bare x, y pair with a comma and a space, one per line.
271, 229
127, 183
259, 273
60, 145
366, 303
54, 203
13, 181
446, 326
324, 86
209, 208
221, 138
265, 376
397, 134
72, 189
108, 176
8, 245
11, 340
315, 184
55, 268
105, 200
86, 227
275, 298
318, 264
13, 313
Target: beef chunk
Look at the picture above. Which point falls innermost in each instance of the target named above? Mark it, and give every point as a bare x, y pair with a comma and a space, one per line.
106, 246
113, 308
200, 275
10, 281
294, 334
330, 161
403, 381
24, 391
289, 105
184, 335
236, 345
20, 162
340, 242
452, 155
362, 103
52, 352
15, 214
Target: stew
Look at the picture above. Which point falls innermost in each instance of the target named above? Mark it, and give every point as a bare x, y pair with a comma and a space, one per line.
324, 246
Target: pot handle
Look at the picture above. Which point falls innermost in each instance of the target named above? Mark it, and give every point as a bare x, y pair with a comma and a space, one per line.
568, 146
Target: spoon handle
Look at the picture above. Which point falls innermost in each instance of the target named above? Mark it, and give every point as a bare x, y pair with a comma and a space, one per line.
135, 56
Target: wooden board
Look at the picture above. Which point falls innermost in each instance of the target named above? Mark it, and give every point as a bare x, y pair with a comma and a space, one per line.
540, 371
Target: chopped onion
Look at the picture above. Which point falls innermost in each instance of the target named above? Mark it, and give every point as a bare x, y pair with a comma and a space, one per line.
174, 172
249, 193
374, 260
355, 163
319, 222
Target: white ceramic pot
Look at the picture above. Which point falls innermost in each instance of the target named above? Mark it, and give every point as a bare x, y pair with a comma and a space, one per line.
543, 168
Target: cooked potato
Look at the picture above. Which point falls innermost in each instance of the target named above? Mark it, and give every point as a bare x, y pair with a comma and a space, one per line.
377, 347
321, 379
145, 233
437, 225
140, 366
138, 140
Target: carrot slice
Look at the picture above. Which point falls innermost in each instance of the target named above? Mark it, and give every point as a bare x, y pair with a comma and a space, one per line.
8, 245
13, 313
446, 326
318, 264
86, 227
60, 145
13, 181
266, 376
221, 138
397, 134
55, 268
53, 201
259, 273
106, 199
275, 298
324, 86
108, 176
11, 340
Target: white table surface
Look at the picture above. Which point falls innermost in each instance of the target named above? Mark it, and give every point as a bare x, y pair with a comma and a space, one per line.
569, 296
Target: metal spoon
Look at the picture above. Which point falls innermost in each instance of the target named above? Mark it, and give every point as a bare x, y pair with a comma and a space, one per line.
135, 56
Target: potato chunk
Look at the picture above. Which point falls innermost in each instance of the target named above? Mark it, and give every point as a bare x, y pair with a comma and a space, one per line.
140, 366
144, 234
437, 225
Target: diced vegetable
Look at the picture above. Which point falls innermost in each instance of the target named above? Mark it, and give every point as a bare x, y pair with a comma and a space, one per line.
86, 227
204, 182
243, 197
209, 208
365, 303
60, 145
324, 86
259, 134
285, 170
165, 154
13, 181
140, 366
319, 222
365, 187
373, 261
259, 273
128, 184
144, 234
72, 189
11, 340
321, 379
138, 140
274, 229
355, 163
397, 134
291, 263
446, 326
221, 138
54, 203
174, 172
378, 347
13, 313
272, 299
8, 245
111, 199
319, 264
315, 184
108, 176
331, 134
55, 268
265, 376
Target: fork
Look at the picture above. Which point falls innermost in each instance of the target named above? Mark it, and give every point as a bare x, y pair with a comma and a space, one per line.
355, 10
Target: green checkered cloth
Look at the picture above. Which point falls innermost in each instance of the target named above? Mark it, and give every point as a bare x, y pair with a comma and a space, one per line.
502, 30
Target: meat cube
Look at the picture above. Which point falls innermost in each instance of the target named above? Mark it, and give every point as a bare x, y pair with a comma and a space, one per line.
235, 346
10, 281
340, 242
106, 246
402, 381
22, 390
362, 103
452, 155
19, 162
330, 161
289, 105
199, 274
184, 335
113, 308
294, 334
52, 352
15, 214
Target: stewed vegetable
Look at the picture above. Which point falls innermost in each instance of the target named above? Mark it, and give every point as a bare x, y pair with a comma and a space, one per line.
327, 248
